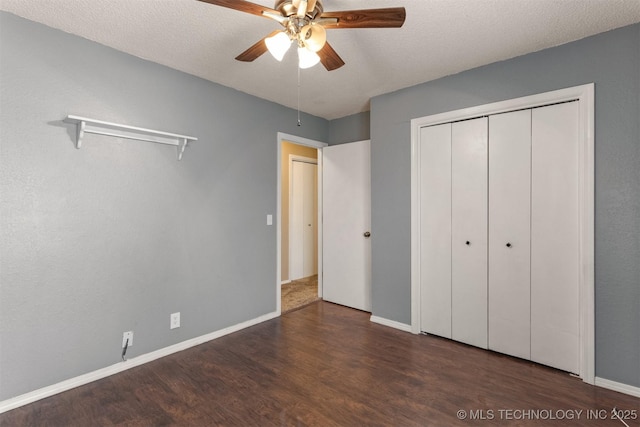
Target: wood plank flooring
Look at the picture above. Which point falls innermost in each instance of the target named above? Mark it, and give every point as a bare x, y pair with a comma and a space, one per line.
327, 365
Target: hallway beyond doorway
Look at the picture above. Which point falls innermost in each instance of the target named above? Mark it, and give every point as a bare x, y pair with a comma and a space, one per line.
299, 293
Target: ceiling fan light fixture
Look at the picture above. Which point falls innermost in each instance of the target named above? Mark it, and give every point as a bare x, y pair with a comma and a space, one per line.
278, 45
294, 15
307, 58
314, 37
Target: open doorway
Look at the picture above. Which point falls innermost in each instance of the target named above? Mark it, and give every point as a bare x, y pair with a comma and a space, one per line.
299, 256
299, 271
299, 207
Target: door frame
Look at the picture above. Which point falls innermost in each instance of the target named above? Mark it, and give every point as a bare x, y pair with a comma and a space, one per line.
312, 161
585, 95
284, 137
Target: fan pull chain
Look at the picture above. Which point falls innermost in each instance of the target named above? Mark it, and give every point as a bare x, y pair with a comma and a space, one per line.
299, 122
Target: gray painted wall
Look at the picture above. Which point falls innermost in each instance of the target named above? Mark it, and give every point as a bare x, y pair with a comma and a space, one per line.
349, 129
119, 234
612, 61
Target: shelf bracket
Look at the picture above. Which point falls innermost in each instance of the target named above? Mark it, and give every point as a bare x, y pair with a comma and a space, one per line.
181, 147
80, 134
99, 127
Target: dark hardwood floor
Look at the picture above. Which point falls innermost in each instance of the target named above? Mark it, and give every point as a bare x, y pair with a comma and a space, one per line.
327, 365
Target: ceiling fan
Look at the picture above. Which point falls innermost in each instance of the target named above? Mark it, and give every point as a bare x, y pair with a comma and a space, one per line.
305, 22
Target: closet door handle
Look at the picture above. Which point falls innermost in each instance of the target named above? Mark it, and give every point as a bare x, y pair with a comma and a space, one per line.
508, 245
468, 243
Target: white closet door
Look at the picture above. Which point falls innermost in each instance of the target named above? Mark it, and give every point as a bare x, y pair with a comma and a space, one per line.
435, 229
509, 233
310, 218
554, 237
469, 232
303, 235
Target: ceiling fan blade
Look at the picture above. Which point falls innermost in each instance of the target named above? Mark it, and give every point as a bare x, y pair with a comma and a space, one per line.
244, 6
256, 50
329, 58
366, 18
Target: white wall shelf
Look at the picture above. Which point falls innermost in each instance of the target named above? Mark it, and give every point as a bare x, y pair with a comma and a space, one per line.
99, 127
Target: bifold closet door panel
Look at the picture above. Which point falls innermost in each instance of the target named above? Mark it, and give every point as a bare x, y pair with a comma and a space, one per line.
509, 233
469, 231
435, 230
554, 237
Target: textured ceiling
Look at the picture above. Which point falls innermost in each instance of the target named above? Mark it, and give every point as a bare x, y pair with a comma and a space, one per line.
439, 38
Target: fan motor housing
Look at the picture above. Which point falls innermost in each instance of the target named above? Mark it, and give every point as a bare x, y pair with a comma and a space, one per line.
286, 8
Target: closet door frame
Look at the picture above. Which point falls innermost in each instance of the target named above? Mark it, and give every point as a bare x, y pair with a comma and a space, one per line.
585, 95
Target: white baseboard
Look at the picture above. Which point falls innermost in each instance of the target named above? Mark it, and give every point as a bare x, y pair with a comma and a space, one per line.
284, 282
616, 386
391, 323
51, 390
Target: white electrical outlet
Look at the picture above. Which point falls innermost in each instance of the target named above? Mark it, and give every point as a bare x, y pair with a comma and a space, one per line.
175, 320
127, 336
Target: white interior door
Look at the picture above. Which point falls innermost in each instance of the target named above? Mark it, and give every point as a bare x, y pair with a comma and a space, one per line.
303, 230
346, 204
435, 229
469, 231
555, 245
509, 233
